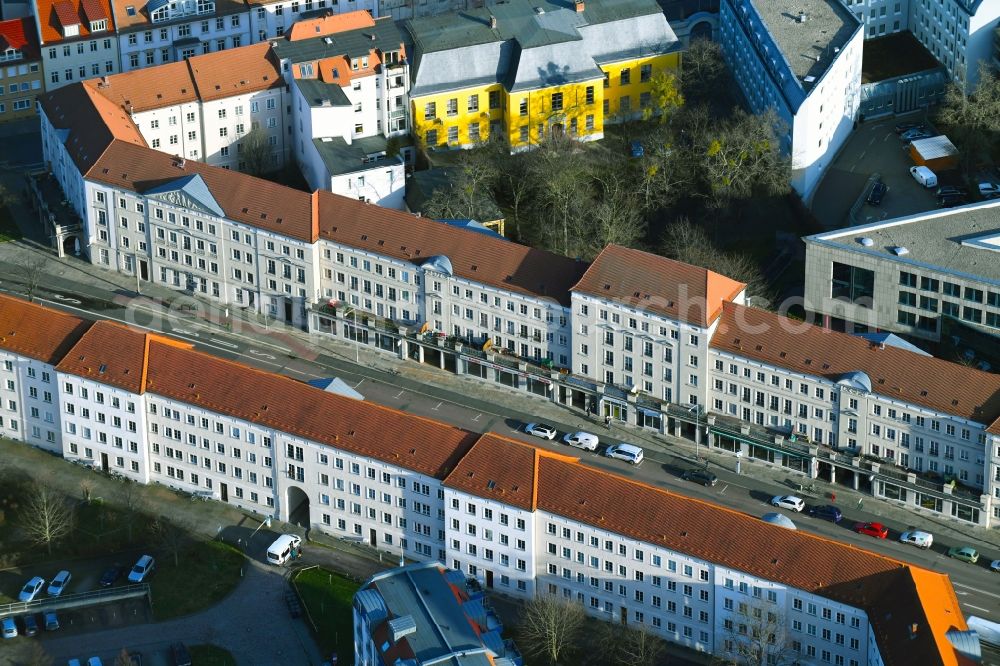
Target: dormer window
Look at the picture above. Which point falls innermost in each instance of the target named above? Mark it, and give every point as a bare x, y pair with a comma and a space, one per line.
10, 54
354, 64
98, 26
130, 10
364, 62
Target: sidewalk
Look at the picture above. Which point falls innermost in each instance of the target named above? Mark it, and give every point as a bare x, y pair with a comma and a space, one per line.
81, 278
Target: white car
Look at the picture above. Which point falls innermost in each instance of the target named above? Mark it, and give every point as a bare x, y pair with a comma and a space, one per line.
142, 569
995, 566
541, 430
989, 190
788, 502
582, 440
31, 589
917, 538
9, 627
627, 452
59, 583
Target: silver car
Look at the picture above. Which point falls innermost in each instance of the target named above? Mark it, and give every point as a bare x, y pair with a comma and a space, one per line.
541, 430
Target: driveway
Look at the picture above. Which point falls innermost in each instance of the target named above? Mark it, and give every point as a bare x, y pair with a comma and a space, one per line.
252, 623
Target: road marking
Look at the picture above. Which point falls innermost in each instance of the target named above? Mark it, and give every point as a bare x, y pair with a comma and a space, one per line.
870, 142
361, 382
477, 416
67, 299
724, 488
980, 608
435, 407
231, 345
976, 589
184, 331
261, 354
961, 593
862, 155
400, 393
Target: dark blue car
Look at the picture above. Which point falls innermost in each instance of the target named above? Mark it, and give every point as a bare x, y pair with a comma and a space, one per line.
826, 512
636, 149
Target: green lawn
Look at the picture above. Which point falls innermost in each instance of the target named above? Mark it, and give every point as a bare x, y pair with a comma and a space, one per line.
208, 571
210, 655
8, 230
327, 598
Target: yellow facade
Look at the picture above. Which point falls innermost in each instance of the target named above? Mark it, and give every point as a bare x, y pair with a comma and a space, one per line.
464, 117
20, 82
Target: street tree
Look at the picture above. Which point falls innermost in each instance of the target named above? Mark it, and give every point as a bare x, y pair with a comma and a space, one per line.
46, 516
628, 645
551, 627
30, 269
170, 537
255, 151
973, 120
754, 634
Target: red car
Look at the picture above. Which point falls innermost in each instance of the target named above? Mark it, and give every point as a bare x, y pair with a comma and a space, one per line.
877, 530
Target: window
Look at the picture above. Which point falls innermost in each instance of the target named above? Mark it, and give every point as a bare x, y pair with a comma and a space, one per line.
430, 112
453, 106
853, 284
473, 103
557, 101
645, 73
523, 107
626, 77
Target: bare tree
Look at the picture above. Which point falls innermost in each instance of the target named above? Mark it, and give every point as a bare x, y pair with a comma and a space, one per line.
562, 179
755, 635
973, 120
628, 645
550, 627
25, 653
616, 216
132, 503
30, 269
87, 489
255, 151
123, 658
470, 193
703, 69
744, 155
46, 517
170, 538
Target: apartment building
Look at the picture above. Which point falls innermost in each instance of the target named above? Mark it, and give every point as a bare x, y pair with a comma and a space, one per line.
161, 32
644, 322
270, 18
922, 275
515, 518
635, 333
203, 107
349, 79
21, 76
526, 71
77, 40
959, 33
426, 614
803, 60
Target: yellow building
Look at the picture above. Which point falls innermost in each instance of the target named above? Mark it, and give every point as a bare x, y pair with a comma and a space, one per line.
532, 69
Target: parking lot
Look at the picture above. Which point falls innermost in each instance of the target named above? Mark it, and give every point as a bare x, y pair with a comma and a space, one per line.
874, 148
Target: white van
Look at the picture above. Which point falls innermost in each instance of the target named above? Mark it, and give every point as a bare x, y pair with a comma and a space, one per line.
924, 176
917, 538
582, 440
280, 551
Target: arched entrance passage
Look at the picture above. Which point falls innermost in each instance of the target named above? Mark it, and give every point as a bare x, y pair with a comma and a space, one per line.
298, 507
701, 30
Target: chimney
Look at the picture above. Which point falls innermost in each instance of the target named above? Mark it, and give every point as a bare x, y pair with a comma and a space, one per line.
493, 22
180, 162
579, 6
802, 17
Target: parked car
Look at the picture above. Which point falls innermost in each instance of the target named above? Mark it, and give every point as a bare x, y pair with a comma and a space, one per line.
142, 570
30, 625
9, 627
964, 553
111, 575
912, 135
59, 583
995, 566
788, 502
951, 200
989, 190
826, 512
180, 654
877, 530
582, 440
917, 538
906, 127
95, 661
627, 452
541, 430
924, 176
134, 659
877, 193
31, 589
949, 189
50, 620
702, 476
635, 149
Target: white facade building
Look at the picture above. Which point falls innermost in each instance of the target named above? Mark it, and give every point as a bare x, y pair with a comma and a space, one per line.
802, 59
77, 40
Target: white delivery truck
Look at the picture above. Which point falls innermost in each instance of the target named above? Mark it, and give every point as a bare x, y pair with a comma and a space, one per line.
924, 176
284, 548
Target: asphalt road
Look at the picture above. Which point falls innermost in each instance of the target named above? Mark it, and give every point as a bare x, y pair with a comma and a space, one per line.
976, 586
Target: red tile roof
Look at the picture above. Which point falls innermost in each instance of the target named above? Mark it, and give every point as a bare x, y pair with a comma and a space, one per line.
20, 34
236, 71
119, 356
36, 331
893, 592
945, 387
145, 89
95, 10
650, 282
330, 24
53, 15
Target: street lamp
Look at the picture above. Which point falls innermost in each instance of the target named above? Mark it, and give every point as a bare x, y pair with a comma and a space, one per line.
696, 408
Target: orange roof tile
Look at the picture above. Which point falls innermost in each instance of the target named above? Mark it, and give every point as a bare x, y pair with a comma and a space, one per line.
95, 10
110, 353
150, 88
20, 34
54, 15
330, 24
236, 71
649, 282
36, 331
338, 69
892, 591
139, 19
946, 387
